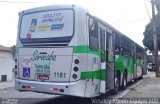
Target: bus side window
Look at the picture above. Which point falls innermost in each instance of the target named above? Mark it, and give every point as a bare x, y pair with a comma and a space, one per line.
129, 49
117, 44
93, 34
102, 44
139, 53
122, 45
110, 48
107, 42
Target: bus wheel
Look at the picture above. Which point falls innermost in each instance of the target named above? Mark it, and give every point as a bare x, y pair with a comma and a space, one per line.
117, 83
124, 81
141, 74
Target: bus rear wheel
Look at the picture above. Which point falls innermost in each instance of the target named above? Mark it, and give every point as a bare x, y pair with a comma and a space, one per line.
124, 81
141, 77
116, 83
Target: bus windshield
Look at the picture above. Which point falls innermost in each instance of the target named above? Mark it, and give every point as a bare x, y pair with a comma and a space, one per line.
47, 24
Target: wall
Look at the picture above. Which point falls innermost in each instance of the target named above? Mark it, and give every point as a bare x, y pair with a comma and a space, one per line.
5, 54
6, 64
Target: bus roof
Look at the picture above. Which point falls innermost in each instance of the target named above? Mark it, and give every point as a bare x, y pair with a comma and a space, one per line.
52, 7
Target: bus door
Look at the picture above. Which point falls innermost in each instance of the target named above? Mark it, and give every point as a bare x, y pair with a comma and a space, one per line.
103, 62
134, 63
109, 61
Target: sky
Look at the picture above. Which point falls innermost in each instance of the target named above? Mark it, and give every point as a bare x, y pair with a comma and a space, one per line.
128, 16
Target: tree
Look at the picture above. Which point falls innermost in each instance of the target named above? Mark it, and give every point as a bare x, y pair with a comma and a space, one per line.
157, 3
13, 50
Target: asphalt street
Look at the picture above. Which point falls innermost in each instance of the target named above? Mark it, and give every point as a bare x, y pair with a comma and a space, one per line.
9, 94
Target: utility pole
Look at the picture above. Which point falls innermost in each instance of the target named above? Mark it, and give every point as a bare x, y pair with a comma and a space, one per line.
155, 39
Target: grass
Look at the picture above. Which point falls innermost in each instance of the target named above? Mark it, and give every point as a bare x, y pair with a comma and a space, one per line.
132, 89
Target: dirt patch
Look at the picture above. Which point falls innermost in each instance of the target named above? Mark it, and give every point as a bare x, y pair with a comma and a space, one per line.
132, 89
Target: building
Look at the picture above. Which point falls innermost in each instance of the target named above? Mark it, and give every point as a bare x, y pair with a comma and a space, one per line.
6, 64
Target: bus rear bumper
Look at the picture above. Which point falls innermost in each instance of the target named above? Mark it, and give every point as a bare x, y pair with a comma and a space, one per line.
71, 88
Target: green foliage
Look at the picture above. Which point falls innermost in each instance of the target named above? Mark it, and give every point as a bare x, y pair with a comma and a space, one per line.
157, 3
13, 50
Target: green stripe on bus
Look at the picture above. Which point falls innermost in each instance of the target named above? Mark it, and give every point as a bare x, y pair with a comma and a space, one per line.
138, 62
130, 66
85, 49
99, 74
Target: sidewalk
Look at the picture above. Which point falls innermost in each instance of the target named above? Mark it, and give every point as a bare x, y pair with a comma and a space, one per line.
148, 88
4, 85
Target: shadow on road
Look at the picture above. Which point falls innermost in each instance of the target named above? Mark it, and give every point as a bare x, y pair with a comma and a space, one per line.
66, 100
74, 100
78, 100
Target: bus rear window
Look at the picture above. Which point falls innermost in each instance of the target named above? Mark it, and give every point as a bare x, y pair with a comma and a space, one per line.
47, 24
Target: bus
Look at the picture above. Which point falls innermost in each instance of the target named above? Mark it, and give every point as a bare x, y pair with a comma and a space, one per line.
64, 50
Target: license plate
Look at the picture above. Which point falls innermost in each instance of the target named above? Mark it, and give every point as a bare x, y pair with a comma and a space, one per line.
43, 77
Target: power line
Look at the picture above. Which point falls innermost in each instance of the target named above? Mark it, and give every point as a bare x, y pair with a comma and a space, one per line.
5, 1
147, 10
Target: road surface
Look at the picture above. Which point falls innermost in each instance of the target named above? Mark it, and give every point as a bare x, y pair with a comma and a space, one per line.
10, 95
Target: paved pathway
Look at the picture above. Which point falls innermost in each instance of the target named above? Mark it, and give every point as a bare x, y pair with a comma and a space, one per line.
148, 88
4, 85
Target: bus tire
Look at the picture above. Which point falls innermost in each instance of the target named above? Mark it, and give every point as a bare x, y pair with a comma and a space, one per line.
124, 81
141, 77
21, 90
117, 83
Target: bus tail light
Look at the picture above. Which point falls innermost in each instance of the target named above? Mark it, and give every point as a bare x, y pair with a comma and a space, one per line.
55, 89
15, 68
75, 68
23, 86
74, 76
15, 60
76, 61
15, 72
28, 86
15, 63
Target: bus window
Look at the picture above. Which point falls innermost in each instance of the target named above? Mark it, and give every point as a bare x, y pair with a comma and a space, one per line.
110, 48
107, 42
48, 26
102, 44
139, 53
117, 44
93, 34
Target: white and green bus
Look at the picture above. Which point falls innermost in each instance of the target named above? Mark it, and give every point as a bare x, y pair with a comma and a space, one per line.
64, 50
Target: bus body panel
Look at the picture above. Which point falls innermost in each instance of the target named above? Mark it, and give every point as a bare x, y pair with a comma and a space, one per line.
45, 64
139, 67
71, 88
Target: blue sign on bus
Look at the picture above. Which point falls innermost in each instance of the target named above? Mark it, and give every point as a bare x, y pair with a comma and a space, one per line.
26, 72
